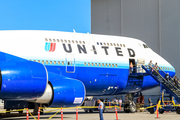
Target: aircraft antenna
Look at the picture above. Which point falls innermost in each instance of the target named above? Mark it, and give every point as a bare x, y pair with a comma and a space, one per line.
74, 31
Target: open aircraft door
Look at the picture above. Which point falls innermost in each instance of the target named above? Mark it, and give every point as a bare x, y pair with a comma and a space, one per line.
139, 63
70, 64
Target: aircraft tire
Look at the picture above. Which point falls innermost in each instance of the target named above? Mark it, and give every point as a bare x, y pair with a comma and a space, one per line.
36, 107
126, 108
132, 107
90, 110
161, 111
151, 110
178, 110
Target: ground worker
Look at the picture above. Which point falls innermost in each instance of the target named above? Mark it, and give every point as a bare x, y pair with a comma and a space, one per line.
100, 107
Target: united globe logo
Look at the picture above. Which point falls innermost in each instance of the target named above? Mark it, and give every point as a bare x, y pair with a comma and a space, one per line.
50, 47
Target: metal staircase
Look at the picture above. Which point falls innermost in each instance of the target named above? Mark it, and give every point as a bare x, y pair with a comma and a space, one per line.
159, 76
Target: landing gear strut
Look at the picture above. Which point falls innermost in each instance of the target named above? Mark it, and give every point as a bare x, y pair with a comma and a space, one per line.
129, 106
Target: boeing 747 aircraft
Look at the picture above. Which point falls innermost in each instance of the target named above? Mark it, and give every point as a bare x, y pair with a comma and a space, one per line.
59, 69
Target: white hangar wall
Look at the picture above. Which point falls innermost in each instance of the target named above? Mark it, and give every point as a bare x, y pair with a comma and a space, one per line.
156, 22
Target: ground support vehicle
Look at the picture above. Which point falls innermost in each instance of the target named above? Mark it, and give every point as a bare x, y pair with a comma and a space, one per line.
164, 105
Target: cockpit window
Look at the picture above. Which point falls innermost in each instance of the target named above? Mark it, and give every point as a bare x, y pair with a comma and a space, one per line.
145, 46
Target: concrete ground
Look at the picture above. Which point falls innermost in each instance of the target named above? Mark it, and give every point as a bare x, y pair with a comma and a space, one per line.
70, 114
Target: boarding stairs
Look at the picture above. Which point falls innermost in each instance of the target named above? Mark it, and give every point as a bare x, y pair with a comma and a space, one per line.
168, 85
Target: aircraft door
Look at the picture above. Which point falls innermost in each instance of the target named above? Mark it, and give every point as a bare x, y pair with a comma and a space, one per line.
70, 64
133, 62
139, 63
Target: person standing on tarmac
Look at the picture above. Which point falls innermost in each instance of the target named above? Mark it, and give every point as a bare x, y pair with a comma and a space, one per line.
100, 107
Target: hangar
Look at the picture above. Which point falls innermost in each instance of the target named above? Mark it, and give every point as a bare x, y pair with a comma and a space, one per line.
156, 22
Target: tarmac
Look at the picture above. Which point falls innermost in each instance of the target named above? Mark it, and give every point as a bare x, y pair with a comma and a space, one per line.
70, 114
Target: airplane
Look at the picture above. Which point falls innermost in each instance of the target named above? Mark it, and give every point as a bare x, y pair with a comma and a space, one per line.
58, 69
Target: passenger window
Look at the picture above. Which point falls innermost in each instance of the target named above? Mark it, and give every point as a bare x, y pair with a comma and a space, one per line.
65, 41
111, 44
58, 62
72, 41
46, 39
69, 41
55, 62
61, 40
121, 45
112, 65
34, 60
79, 42
124, 45
100, 43
85, 64
88, 64
83, 42
118, 45
57, 40
116, 65
95, 64
99, 64
42, 61
108, 44
62, 62
92, 64
46, 62
38, 61
54, 40
97, 43
76, 41
50, 62
109, 65
50, 40
114, 44
103, 64
106, 64
104, 43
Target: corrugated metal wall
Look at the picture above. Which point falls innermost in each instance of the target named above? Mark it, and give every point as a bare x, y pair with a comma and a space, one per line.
156, 22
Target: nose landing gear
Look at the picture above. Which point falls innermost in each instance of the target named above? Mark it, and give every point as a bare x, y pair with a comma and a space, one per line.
129, 106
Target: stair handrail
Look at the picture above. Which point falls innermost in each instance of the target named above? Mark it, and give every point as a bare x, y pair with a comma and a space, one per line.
166, 73
159, 68
160, 74
173, 80
170, 78
163, 77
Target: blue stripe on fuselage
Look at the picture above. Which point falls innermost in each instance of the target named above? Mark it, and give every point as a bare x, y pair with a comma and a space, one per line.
102, 81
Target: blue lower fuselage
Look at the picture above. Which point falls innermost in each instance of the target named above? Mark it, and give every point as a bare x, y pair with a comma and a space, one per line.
107, 81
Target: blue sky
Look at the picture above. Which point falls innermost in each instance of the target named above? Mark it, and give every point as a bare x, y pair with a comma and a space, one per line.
58, 15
